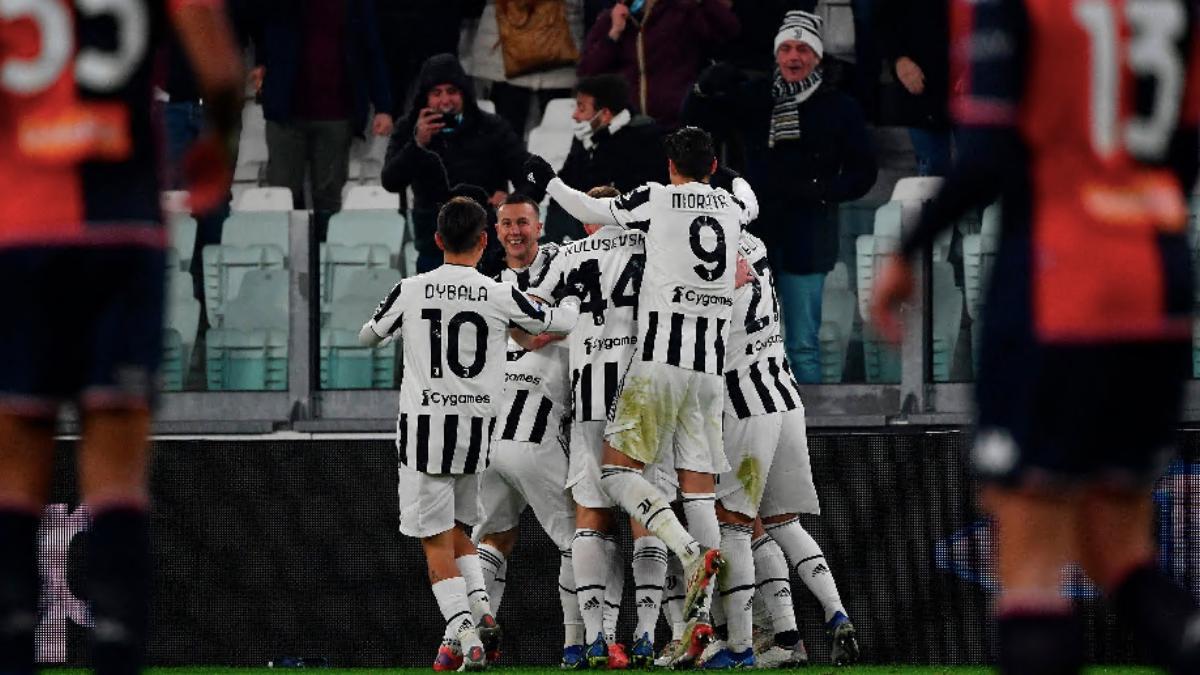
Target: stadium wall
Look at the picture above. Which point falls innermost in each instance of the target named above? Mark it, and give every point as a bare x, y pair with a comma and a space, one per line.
268, 547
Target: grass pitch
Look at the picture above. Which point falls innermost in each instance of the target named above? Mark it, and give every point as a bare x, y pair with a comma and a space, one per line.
820, 669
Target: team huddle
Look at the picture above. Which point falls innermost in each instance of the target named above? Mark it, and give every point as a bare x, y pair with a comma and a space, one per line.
642, 368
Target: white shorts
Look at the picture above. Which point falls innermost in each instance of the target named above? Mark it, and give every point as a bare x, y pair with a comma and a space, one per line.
671, 414
771, 474
430, 505
583, 477
526, 474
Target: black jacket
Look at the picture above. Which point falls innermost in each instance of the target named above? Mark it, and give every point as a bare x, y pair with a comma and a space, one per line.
919, 30
626, 159
483, 151
798, 183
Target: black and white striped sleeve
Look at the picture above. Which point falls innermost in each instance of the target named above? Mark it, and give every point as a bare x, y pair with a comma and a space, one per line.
548, 285
632, 209
535, 317
583, 207
386, 321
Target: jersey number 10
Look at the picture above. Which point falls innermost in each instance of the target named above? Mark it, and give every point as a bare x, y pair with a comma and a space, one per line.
1151, 51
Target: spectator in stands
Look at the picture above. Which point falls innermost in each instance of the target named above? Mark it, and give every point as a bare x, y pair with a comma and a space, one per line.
413, 31
445, 131
916, 43
659, 46
319, 68
807, 149
484, 60
612, 146
759, 19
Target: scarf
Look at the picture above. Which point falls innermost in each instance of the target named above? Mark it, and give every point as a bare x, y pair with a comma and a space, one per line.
785, 118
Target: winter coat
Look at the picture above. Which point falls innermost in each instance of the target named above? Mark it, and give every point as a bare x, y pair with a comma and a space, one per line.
482, 56
799, 183
278, 32
630, 157
483, 151
920, 31
661, 55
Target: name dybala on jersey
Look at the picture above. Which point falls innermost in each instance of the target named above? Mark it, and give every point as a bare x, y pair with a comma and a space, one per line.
686, 298
535, 382
454, 323
758, 378
606, 270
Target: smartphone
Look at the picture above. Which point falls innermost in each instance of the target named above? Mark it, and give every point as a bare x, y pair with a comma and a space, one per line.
450, 120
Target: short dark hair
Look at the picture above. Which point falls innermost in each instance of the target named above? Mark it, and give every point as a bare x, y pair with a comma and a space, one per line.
520, 198
610, 91
460, 222
603, 191
691, 149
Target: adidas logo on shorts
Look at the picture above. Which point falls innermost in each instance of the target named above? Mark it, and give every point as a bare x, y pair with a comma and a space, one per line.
648, 602
592, 603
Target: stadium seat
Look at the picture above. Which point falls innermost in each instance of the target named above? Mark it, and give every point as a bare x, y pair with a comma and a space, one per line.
888, 219
408, 257
837, 323
344, 363
171, 258
181, 230
552, 144
990, 221
356, 228
882, 360
252, 145
340, 262
264, 199
172, 371
370, 198
1196, 348
486, 106
947, 320
979, 253
256, 228
225, 268
175, 201
916, 188
183, 321
249, 352
369, 283
558, 114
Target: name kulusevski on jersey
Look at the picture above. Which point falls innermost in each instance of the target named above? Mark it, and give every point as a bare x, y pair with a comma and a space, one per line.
685, 300
535, 382
454, 322
758, 378
605, 269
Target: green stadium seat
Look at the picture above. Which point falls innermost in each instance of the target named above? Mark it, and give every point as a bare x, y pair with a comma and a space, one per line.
837, 323
181, 229
182, 324
947, 321
250, 351
344, 363
224, 269
270, 199
256, 227
356, 228
339, 262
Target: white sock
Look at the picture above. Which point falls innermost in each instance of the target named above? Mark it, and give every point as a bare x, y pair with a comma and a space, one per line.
572, 619
773, 578
809, 562
451, 595
477, 595
495, 569
642, 501
674, 588
614, 590
591, 576
649, 572
700, 509
737, 585
762, 615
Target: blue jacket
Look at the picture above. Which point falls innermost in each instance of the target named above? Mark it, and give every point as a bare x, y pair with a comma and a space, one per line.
278, 37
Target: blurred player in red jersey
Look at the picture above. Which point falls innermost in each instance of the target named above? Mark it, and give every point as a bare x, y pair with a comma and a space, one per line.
81, 258
1081, 116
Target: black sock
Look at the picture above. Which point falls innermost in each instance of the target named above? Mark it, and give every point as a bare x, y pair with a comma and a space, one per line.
19, 586
721, 632
119, 583
787, 639
1157, 611
1040, 644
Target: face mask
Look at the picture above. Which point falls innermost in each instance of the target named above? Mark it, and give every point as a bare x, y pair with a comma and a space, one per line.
583, 129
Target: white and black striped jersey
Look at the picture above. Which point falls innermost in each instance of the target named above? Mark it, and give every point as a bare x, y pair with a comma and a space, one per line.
758, 378
454, 323
686, 299
535, 383
605, 269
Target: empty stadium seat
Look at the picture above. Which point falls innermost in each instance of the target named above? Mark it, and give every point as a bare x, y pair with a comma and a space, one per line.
172, 371
181, 231
256, 228
979, 253
249, 352
837, 323
408, 259
264, 199
225, 267
369, 283
356, 228
339, 262
175, 201
345, 364
558, 114
252, 145
888, 220
370, 198
990, 221
947, 321
553, 145
881, 360
916, 188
